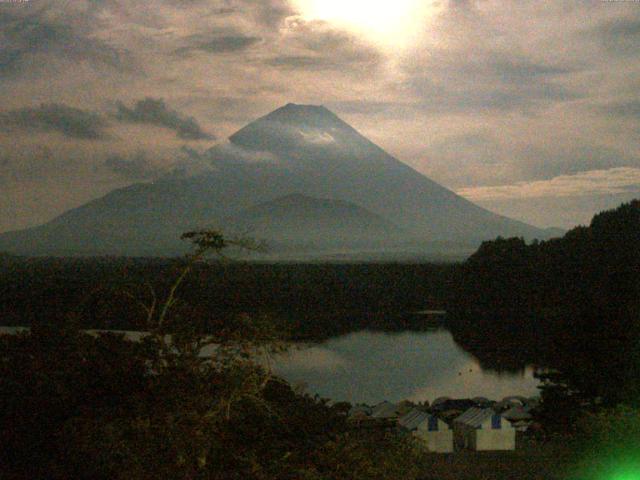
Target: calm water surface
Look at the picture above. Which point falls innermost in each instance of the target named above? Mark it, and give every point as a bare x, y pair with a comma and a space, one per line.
370, 367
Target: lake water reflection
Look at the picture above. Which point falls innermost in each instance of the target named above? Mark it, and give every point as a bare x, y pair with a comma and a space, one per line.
370, 367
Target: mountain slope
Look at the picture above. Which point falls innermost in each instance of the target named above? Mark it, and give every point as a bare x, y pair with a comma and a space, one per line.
296, 148
312, 140
300, 219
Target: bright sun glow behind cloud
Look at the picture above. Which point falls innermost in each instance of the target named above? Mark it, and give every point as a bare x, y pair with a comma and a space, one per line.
389, 23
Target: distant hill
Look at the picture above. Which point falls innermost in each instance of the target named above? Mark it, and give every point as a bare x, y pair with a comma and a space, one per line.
294, 149
303, 220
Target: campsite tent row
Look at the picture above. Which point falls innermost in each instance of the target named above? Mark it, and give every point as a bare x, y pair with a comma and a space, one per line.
476, 429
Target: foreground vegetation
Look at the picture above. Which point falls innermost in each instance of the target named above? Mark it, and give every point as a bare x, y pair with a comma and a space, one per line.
550, 461
77, 406
73, 405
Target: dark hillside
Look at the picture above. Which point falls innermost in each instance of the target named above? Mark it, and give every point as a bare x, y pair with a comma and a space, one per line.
571, 303
312, 300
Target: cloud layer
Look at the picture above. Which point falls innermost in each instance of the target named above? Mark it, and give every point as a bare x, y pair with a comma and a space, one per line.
154, 112
594, 182
72, 122
529, 96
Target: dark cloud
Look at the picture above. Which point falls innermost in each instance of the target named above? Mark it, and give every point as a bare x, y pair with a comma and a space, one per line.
24, 37
623, 27
238, 109
70, 121
621, 35
303, 62
516, 69
317, 36
134, 167
219, 44
485, 158
526, 98
316, 46
453, 82
545, 163
522, 97
479, 60
155, 112
270, 13
225, 10
630, 109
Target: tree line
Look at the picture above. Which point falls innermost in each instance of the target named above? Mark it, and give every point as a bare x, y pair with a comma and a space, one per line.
570, 304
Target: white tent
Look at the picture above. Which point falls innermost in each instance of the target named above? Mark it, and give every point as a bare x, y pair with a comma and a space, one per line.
437, 435
483, 429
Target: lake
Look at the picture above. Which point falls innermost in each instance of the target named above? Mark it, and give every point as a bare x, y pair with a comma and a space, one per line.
369, 367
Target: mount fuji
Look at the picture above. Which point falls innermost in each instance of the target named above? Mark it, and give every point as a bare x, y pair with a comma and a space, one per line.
297, 176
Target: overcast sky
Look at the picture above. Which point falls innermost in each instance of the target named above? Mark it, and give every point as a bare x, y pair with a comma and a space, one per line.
529, 108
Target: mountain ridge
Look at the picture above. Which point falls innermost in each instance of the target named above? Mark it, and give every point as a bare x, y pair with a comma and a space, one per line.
296, 148
307, 220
